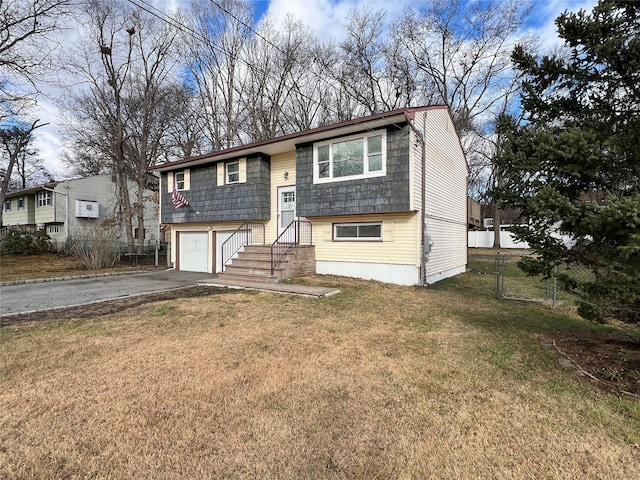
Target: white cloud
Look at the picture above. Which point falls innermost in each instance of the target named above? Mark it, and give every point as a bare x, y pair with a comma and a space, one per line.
325, 17
545, 14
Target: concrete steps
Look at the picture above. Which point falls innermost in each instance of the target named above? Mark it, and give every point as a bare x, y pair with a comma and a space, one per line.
253, 263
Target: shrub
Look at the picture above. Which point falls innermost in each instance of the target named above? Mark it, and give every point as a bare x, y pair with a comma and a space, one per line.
17, 242
97, 245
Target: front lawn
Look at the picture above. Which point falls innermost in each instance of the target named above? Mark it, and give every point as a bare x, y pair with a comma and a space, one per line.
51, 265
379, 381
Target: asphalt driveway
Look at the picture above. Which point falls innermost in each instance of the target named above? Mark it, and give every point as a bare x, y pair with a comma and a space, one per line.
33, 297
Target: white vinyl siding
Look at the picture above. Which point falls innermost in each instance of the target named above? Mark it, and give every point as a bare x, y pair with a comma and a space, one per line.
281, 163
446, 193
398, 245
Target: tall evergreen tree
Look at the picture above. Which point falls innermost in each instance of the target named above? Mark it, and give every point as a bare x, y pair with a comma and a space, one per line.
574, 167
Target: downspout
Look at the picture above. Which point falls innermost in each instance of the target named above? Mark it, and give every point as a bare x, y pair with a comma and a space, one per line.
157, 259
424, 254
426, 240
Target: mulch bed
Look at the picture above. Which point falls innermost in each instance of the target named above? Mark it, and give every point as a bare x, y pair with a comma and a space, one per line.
612, 364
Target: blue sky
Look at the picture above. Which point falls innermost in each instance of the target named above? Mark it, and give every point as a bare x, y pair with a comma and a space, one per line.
325, 17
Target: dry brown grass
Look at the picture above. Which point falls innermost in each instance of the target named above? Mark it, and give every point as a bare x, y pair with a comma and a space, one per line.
377, 382
48, 265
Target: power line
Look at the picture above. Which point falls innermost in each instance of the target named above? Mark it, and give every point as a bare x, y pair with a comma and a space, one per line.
164, 17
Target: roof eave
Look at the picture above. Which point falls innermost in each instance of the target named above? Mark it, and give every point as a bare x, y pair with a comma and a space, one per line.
288, 142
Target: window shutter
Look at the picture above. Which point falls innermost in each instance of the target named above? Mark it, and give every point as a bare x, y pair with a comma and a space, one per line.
170, 182
328, 232
242, 170
220, 174
388, 234
187, 179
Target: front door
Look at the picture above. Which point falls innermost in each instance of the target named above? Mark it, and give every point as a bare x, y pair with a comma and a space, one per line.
286, 207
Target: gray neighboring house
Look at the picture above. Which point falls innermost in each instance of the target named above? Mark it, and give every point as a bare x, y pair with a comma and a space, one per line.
382, 197
61, 208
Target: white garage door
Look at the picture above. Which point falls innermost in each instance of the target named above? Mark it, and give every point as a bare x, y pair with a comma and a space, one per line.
194, 251
221, 237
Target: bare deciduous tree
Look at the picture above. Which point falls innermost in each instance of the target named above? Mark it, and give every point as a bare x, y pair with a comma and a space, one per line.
125, 112
216, 43
15, 141
372, 69
25, 48
462, 56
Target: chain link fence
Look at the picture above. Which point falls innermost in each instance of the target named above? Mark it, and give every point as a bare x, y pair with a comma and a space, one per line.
560, 289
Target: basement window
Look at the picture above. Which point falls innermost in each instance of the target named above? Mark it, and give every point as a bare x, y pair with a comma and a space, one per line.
357, 231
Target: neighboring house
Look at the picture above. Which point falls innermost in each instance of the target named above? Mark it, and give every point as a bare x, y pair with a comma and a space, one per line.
474, 213
382, 197
61, 208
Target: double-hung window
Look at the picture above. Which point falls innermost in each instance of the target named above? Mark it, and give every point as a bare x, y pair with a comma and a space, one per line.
7, 206
232, 172
179, 180
348, 158
43, 199
357, 231
20, 203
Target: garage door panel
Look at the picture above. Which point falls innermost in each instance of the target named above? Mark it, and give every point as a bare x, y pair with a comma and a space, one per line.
194, 251
221, 237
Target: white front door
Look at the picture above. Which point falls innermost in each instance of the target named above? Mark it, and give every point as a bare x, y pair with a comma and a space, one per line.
286, 207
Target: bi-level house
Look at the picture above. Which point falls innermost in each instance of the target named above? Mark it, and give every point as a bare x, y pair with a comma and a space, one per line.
60, 208
382, 197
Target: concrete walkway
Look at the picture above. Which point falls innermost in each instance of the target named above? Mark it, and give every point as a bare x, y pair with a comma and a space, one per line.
291, 289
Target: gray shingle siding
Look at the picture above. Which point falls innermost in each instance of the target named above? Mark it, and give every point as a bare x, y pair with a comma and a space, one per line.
388, 194
226, 203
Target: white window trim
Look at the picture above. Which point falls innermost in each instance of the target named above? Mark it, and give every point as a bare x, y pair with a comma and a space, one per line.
7, 204
178, 182
19, 200
226, 172
366, 174
46, 196
357, 239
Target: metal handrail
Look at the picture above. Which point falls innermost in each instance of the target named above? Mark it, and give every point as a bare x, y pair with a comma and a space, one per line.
298, 232
246, 234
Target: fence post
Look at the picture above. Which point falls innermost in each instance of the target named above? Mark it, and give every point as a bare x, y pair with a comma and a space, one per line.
555, 286
498, 275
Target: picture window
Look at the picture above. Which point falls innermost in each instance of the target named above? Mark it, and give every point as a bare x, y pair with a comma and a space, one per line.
350, 158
